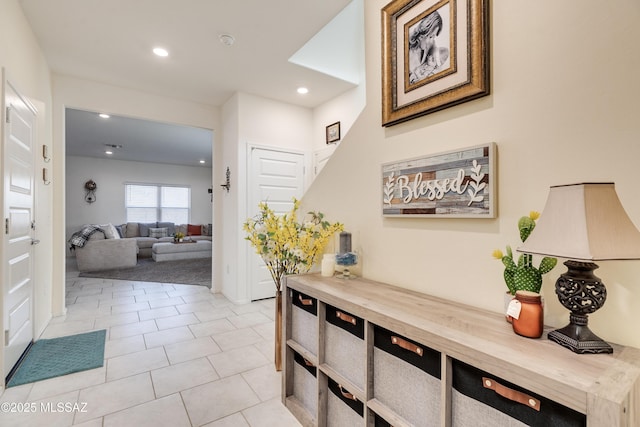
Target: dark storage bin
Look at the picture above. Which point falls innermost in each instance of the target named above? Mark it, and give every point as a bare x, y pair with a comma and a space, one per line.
406, 377
304, 321
345, 349
343, 409
477, 400
345, 321
305, 387
380, 422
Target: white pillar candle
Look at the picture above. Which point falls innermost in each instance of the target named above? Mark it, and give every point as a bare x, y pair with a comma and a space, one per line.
328, 265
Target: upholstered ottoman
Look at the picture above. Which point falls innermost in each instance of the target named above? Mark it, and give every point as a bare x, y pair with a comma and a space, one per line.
177, 251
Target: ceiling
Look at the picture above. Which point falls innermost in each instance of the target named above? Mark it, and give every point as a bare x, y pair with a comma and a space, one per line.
279, 46
89, 135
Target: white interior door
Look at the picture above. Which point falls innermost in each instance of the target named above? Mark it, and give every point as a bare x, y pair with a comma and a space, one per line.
17, 259
275, 177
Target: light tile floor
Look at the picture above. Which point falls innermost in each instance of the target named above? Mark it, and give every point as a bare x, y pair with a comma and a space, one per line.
176, 355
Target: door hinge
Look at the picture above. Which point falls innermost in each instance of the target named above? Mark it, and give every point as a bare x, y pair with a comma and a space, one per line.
8, 117
6, 226
33, 225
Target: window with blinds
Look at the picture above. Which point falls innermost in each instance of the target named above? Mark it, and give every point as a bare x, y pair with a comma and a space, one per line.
151, 203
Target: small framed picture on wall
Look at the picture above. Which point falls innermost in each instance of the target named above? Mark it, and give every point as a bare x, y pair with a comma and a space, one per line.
333, 133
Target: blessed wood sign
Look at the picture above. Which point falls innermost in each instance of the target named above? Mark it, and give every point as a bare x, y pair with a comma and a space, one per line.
452, 184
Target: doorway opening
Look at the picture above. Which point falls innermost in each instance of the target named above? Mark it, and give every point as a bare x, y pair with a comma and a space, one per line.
114, 152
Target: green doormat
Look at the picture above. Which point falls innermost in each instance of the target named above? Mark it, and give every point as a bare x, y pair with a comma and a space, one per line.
55, 357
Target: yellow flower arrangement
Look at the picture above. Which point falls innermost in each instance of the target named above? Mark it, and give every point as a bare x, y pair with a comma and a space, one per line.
286, 246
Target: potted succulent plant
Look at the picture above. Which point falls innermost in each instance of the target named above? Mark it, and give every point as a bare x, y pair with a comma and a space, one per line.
523, 275
178, 237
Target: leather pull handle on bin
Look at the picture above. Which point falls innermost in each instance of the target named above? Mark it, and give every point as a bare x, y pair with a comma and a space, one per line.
510, 394
407, 345
345, 317
305, 301
306, 362
346, 394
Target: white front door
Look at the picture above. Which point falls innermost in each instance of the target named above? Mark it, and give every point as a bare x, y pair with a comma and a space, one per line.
275, 177
17, 259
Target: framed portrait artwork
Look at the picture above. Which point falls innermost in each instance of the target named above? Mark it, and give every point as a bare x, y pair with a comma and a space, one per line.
435, 54
333, 133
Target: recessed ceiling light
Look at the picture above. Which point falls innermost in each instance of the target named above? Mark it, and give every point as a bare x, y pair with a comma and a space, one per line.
202, 161
104, 116
303, 90
160, 51
226, 39
109, 152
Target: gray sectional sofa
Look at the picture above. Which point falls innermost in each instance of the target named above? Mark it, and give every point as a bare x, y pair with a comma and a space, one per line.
120, 246
145, 237
105, 254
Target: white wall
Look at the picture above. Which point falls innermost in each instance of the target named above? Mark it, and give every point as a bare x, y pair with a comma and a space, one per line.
26, 67
251, 120
268, 122
347, 107
111, 175
233, 245
344, 109
563, 109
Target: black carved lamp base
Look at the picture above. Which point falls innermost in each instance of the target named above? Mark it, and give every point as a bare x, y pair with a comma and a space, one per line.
581, 292
577, 337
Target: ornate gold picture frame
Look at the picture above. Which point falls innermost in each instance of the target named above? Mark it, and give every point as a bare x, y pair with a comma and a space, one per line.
435, 54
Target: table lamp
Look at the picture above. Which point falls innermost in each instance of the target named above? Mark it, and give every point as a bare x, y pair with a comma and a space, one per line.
583, 223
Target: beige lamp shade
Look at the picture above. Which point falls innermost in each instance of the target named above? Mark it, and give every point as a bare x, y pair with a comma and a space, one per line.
584, 222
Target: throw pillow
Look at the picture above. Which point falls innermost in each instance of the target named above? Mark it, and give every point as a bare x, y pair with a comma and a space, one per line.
132, 230
144, 228
116, 233
121, 229
170, 226
109, 231
105, 230
194, 230
182, 228
158, 232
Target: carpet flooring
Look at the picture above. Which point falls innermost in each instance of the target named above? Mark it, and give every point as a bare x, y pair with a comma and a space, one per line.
49, 358
186, 272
